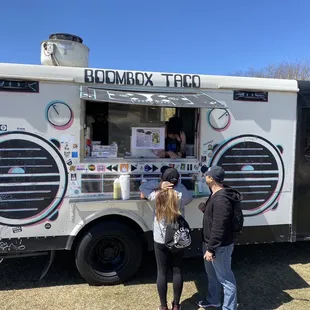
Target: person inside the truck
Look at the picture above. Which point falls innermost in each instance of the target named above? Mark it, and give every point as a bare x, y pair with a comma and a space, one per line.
175, 141
103, 130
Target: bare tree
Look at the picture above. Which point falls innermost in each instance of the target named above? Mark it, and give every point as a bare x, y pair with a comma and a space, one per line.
284, 70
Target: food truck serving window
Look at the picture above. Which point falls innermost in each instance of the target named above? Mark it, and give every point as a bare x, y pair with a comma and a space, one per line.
135, 124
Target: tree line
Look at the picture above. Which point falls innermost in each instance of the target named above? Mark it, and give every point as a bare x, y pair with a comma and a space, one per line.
284, 70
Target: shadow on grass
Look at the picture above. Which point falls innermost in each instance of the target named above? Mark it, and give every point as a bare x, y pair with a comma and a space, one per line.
263, 273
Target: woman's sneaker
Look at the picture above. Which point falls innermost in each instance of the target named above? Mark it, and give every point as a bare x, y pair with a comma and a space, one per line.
206, 304
176, 307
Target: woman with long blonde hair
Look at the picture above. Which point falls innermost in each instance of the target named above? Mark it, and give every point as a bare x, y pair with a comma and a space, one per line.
167, 203
170, 198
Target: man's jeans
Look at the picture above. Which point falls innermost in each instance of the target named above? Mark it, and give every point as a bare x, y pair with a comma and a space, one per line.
220, 274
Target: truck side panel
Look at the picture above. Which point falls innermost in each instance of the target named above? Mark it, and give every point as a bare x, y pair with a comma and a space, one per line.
42, 208
35, 130
255, 143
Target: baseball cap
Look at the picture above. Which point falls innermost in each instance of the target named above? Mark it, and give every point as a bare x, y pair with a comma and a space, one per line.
171, 175
217, 173
163, 169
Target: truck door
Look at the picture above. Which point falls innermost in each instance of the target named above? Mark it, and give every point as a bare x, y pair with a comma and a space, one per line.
301, 215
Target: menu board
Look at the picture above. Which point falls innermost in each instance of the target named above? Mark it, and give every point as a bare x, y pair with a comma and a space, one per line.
152, 138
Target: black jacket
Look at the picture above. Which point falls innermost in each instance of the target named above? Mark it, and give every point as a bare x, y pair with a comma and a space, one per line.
217, 219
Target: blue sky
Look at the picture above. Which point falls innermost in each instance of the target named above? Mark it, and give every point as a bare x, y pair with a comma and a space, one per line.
198, 36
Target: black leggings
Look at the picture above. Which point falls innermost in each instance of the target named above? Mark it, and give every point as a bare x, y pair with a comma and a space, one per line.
164, 260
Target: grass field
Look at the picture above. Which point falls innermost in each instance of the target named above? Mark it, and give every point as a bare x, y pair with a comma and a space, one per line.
269, 277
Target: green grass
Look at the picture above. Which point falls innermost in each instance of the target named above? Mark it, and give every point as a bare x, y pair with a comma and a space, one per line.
269, 277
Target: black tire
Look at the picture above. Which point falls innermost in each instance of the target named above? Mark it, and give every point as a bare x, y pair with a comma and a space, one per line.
109, 253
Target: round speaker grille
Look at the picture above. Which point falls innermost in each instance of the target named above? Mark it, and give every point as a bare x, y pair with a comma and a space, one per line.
33, 179
253, 166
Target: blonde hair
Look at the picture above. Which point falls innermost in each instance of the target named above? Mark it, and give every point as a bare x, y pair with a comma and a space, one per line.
167, 205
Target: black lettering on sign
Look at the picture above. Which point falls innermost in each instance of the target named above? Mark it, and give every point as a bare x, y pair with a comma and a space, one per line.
110, 77
187, 80
179, 80
120, 79
19, 86
99, 76
244, 95
167, 78
140, 78
130, 80
196, 81
148, 79
117, 78
88, 76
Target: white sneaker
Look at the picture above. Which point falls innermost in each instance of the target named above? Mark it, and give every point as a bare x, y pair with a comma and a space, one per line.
205, 304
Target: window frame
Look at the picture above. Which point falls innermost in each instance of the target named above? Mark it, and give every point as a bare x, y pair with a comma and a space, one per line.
89, 159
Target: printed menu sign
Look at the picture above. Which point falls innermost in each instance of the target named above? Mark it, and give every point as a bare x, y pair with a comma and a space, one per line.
148, 138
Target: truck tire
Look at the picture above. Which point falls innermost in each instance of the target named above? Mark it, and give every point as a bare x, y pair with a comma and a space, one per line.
109, 253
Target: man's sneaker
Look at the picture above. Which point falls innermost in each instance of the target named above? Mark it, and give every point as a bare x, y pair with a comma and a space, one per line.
176, 307
206, 304
163, 308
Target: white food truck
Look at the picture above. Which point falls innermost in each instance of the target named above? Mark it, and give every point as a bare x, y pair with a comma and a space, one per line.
67, 132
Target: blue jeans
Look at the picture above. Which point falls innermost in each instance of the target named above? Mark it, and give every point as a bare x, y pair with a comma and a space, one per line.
220, 274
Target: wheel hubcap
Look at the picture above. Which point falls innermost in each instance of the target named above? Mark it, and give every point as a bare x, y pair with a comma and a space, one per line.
108, 251
109, 255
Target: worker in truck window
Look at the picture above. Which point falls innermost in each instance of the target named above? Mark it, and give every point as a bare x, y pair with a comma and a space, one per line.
175, 141
170, 198
103, 130
176, 121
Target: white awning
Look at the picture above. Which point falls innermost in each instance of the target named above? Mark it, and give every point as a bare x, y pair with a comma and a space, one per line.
156, 97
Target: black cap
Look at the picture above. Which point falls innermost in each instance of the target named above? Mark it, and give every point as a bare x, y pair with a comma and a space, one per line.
217, 173
163, 169
171, 175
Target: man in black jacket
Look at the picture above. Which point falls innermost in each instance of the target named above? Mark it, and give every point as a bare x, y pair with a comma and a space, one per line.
218, 240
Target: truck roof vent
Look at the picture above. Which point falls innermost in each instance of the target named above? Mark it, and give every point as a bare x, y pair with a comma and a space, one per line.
63, 49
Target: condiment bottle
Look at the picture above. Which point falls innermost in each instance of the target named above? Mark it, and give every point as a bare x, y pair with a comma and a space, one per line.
116, 189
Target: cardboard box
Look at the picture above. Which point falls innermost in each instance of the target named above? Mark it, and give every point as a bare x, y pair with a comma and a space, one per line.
105, 154
104, 148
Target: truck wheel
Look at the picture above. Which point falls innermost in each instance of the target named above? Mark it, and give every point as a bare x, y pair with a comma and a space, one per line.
109, 253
